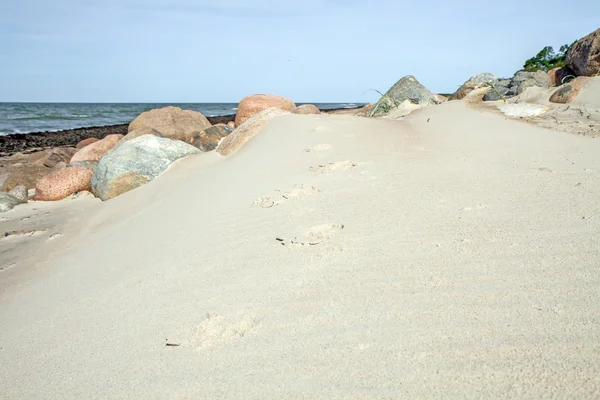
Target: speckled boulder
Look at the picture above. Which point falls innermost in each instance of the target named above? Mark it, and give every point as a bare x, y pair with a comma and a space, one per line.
252, 105
307, 109
97, 150
208, 139
173, 122
135, 163
62, 183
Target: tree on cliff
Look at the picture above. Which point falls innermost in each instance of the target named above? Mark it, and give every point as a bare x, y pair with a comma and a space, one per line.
547, 59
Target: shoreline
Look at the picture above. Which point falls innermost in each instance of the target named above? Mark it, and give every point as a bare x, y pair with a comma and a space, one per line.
36, 141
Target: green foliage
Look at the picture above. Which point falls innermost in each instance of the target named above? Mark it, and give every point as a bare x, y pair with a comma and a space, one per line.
547, 59
383, 106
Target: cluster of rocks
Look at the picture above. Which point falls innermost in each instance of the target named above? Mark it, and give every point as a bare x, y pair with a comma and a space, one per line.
582, 61
120, 162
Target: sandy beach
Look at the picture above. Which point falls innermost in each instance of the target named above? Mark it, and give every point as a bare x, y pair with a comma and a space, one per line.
452, 253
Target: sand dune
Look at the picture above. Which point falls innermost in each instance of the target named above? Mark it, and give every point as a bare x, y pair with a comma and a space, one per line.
453, 253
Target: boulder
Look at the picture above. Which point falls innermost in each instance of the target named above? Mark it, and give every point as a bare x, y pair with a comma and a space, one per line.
26, 174
584, 57
85, 142
139, 132
409, 88
172, 122
20, 192
60, 165
97, 150
59, 155
439, 98
475, 82
497, 91
135, 163
231, 124
248, 130
8, 201
208, 139
62, 183
252, 105
89, 164
560, 75
524, 79
569, 91
307, 109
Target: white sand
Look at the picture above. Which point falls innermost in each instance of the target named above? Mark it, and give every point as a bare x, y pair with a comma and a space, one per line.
452, 254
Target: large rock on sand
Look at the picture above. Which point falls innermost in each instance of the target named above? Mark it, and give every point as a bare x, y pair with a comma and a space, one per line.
86, 142
26, 174
62, 183
569, 91
208, 139
307, 109
20, 192
248, 130
135, 163
409, 88
584, 57
172, 122
560, 75
524, 79
95, 151
252, 105
8, 201
475, 82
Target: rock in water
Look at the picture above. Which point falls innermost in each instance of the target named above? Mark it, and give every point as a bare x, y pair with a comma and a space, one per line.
252, 105
584, 56
7, 202
474, 82
409, 88
135, 163
62, 183
20, 192
307, 109
172, 122
248, 130
566, 93
208, 139
95, 151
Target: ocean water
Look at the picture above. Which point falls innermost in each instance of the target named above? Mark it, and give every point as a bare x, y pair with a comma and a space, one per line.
42, 117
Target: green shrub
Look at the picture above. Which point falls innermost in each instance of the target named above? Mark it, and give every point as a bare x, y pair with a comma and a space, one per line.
547, 59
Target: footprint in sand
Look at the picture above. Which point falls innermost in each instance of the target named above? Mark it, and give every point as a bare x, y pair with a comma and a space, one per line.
319, 147
298, 191
332, 167
18, 235
55, 236
313, 236
215, 329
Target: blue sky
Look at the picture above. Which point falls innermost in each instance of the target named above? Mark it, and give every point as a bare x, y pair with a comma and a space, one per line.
309, 50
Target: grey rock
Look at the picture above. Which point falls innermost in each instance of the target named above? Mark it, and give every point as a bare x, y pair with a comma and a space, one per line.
89, 164
499, 88
20, 192
8, 202
475, 82
409, 88
135, 163
523, 80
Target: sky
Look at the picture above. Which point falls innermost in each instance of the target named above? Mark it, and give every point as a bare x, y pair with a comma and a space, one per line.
307, 50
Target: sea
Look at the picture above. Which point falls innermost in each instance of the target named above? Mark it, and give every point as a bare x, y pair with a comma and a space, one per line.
51, 117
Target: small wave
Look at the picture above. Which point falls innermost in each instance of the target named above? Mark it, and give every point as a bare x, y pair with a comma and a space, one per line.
350, 105
48, 118
234, 109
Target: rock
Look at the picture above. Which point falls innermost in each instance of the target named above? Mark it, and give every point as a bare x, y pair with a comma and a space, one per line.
8, 201
89, 164
31, 193
135, 163
60, 165
523, 80
140, 132
569, 91
584, 57
86, 142
38, 157
366, 110
252, 105
172, 122
475, 82
440, 98
307, 109
220, 124
248, 130
26, 174
208, 139
62, 183
559, 76
59, 155
97, 150
84, 194
231, 124
409, 88
20, 192
499, 88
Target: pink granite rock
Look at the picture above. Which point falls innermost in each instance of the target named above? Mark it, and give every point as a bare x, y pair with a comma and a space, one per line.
96, 150
62, 183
